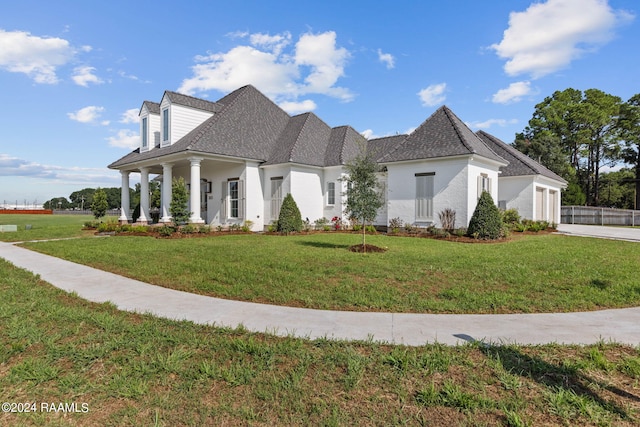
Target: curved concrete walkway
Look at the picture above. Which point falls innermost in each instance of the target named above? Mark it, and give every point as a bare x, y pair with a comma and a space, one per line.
622, 326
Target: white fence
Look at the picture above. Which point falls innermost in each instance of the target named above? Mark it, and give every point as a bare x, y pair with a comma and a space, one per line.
590, 215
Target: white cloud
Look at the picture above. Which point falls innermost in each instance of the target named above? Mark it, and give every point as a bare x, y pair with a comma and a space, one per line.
369, 134
327, 63
125, 138
13, 166
548, 36
491, 122
293, 107
433, 95
312, 66
386, 58
274, 43
131, 116
89, 114
37, 57
84, 75
513, 93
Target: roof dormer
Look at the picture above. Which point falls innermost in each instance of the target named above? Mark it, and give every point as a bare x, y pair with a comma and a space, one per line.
179, 114
149, 126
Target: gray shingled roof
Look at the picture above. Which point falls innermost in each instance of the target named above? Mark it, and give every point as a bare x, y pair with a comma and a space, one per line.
153, 107
380, 147
344, 145
304, 140
190, 101
441, 135
519, 163
246, 126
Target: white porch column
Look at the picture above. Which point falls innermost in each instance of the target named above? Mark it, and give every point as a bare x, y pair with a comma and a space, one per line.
125, 211
144, 196
195, 190
167, 180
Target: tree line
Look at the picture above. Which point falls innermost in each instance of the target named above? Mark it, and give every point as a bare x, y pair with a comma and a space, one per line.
82, 199
577, 134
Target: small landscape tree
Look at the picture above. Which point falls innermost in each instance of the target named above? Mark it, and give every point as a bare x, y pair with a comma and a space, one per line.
486, 222
363, 193
290, 219
179, 199
99, 205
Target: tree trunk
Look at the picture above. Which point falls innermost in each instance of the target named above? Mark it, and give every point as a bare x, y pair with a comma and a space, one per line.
364, 237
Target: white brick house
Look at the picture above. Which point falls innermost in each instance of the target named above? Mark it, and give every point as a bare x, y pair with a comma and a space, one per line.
242, 154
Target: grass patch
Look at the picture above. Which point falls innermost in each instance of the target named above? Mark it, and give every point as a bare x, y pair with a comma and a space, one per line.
43, 226
540, 273
134, 369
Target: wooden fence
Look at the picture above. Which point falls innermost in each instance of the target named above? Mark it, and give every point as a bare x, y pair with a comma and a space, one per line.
590, 215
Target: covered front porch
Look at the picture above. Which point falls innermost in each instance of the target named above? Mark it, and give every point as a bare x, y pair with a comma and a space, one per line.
217, 188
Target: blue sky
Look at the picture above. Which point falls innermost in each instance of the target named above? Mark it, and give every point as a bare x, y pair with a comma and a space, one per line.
75, 73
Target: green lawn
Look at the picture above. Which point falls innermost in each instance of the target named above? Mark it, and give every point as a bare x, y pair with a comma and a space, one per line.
137, 370
43, 226
541, 273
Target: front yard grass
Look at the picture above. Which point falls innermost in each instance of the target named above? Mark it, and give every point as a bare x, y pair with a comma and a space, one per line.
43, 226
543, 273
133, 369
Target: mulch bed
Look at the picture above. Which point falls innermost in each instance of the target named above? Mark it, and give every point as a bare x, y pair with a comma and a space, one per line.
366, 248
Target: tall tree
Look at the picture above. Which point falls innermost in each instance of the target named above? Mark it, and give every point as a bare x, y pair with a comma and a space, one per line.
364, 197
82, 198
600, 113
629, 127
57, 203
586, 126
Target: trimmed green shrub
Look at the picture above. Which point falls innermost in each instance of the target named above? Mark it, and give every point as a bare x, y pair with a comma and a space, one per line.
179, 201
290, 219
166, 230
511, 217
486, 222
100, 204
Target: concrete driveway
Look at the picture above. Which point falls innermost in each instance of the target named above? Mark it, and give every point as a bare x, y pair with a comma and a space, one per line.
608, 232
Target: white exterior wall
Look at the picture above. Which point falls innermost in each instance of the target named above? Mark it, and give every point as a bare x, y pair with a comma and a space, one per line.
182, 120
153, 134
253, 190
217, 173
519, 193
269, 172
333, 174
450, 189
476, 168
381, 218
306, 189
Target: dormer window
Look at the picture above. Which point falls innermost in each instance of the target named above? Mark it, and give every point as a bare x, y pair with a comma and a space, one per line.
145, 136
165, 126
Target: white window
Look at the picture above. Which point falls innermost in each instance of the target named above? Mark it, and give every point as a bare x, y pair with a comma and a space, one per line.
165, 125
234, 199
424, 196
276, 197
145, 136
331, 193
484, 184
232, 202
